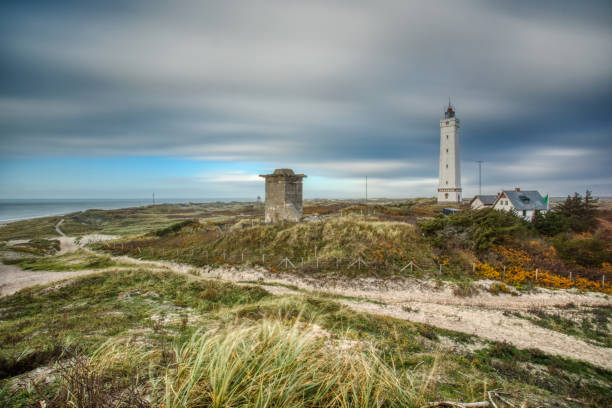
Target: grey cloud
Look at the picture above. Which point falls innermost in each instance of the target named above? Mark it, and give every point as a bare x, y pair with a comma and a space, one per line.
308, 82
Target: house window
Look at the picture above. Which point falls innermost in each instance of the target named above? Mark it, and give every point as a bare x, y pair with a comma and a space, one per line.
524, 213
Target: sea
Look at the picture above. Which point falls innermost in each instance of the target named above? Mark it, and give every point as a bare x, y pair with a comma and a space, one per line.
21, 209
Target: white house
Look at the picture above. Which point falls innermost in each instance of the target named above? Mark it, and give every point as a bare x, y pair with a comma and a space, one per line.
525, 203
483, 201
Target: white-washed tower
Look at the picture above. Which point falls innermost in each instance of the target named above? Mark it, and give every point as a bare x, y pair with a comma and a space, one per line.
449, 187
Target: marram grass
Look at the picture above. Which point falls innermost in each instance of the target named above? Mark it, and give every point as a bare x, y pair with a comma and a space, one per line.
267, 364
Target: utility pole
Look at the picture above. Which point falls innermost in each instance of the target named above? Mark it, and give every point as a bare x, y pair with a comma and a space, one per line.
479, 176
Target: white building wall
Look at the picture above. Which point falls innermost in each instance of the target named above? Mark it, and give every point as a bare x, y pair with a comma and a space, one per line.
449, 187
504, 204
477, 204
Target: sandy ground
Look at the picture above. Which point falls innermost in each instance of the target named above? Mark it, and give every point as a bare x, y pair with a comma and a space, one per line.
409, 299
493, 325
13, 279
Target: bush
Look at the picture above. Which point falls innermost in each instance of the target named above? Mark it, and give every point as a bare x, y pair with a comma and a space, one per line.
174, 228
550, 223
465, 289
497, 288
580, 213
478, 229
589, 252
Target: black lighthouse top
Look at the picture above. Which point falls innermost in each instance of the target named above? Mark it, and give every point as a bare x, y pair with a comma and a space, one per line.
450, 112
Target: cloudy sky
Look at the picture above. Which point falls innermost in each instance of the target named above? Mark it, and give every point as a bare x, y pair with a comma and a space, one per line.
118, 99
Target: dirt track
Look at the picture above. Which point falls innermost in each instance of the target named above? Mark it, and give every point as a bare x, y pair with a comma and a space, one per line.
409, 299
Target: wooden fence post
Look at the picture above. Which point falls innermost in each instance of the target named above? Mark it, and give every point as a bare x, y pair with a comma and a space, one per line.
536, 274
440, 269
603, 281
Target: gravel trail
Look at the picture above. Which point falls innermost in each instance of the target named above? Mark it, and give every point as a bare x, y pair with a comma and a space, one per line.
403, 298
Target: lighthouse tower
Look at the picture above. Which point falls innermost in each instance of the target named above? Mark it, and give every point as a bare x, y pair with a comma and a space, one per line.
449, 187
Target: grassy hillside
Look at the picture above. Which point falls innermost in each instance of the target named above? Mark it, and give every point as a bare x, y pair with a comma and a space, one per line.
125, 221
386, 235
331, 244
140, 338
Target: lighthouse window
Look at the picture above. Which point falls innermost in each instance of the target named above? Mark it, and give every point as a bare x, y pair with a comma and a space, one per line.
445, 195
447, 122
447, 181
446, 137
446, 150
447, 166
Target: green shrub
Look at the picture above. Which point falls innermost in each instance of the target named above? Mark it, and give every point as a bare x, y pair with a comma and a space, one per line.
550, 223
477, 229
589, 252
579, 213
174, 228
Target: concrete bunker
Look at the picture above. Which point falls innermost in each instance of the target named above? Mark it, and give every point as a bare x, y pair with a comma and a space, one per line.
283, 195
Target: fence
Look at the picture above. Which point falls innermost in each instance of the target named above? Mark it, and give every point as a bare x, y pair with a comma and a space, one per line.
357, 264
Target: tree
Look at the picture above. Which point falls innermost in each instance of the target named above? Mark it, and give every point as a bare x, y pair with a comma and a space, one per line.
580, 213
550, 223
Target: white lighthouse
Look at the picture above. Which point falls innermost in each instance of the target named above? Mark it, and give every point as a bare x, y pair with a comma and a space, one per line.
449, 187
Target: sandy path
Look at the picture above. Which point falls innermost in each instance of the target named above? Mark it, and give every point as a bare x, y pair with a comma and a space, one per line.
67, 244
408, 299
422, 302
493, 325
13, 279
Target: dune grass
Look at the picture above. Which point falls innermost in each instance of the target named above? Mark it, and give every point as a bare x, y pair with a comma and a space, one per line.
73, 261
192, 342
30, 229
330, 245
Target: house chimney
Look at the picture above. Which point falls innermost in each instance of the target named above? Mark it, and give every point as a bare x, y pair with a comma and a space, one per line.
517, 189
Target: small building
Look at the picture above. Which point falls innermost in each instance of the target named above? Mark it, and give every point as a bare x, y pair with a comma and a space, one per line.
283, 195
525, 203
482, 201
